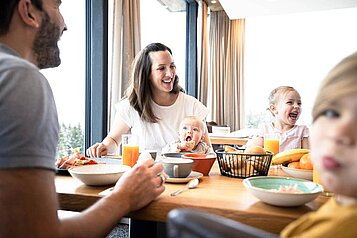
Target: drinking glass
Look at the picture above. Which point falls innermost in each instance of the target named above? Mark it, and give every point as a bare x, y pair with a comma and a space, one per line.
271, 143
130, 149
316, 179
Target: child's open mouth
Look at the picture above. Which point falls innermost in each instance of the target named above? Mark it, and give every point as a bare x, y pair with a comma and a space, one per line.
188, 138
293, 115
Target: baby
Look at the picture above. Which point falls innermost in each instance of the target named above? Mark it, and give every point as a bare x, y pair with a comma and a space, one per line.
285, 106
334, 155
191, 135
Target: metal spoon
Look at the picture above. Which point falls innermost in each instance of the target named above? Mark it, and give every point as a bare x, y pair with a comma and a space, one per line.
191, 184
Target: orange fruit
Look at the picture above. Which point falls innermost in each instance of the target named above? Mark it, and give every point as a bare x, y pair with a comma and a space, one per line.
255, 149
294, 165
305, 162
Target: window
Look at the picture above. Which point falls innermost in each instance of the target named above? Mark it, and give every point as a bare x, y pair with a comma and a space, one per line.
296, 50
68, 80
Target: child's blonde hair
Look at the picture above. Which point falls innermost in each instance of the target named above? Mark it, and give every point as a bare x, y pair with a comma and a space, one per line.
339, 82
277, 94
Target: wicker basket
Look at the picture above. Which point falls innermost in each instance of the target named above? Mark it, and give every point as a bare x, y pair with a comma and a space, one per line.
241, 165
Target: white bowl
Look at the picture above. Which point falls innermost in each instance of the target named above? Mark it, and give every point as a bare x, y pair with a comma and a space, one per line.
268, 190
98, 174
298, 173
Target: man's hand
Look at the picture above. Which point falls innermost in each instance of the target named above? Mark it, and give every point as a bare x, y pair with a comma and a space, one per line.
140, 185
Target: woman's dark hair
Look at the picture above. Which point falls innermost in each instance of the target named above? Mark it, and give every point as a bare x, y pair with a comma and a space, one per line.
139, 92
7, 8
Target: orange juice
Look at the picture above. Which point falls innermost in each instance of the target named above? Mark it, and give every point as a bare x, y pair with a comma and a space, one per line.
271, 145
315, 176
130, 154
316, 179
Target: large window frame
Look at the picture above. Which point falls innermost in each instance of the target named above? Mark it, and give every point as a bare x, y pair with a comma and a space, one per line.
96, 110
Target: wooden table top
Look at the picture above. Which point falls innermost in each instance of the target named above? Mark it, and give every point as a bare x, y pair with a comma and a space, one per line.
215, 194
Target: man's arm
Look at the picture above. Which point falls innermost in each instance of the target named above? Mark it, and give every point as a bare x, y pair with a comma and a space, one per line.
29, 204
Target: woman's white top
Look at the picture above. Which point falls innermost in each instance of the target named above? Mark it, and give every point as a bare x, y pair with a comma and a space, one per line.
154, 136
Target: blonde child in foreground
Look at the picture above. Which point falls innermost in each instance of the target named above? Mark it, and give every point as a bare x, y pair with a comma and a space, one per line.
285, 105
334, 155
191, 135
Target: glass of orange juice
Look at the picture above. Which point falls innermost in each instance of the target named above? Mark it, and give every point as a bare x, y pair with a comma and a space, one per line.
316, 179
271, 142
130, 149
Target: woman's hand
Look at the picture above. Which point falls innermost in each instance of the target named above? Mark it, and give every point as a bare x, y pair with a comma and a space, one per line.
97, 150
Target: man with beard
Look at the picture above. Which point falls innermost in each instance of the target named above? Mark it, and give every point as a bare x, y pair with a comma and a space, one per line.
29, 31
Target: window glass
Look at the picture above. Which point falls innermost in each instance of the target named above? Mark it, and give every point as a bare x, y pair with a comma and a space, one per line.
68, 80
160, 25
296, 50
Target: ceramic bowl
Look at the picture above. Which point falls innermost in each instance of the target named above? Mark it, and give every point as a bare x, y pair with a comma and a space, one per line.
201, 162
98, 174
172, 155
282, 191
298, 173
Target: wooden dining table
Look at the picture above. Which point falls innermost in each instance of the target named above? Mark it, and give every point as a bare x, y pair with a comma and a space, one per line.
217, 194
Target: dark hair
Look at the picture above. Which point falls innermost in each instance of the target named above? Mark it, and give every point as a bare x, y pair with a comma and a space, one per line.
139, 92
7, 8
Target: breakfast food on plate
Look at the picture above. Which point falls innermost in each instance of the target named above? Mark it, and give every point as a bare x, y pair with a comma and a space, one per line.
288, 156
74, 159
255, 149
228, 148
288, 189
305, 162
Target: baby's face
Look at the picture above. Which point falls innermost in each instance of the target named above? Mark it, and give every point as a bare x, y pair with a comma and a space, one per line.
334, 146
190, 130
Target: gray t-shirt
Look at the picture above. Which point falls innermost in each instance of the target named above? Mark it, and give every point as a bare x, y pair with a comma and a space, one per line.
28, 115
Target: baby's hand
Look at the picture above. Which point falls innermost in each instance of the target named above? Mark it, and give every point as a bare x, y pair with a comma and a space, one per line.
187, 145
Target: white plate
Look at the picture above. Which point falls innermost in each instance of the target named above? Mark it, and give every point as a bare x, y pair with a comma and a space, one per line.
98, 174
298, 173
268, 190
192, 175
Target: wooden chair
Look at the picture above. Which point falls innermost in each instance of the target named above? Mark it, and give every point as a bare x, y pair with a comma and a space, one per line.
185, 223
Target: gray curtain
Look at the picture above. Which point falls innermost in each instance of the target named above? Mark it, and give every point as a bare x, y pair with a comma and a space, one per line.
221, 70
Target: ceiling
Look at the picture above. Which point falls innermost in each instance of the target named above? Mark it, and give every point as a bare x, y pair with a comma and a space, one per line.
236, 9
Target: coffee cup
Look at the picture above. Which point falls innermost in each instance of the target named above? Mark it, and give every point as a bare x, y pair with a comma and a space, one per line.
177, 167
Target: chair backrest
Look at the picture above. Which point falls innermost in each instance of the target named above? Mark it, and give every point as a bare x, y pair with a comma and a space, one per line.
185, 223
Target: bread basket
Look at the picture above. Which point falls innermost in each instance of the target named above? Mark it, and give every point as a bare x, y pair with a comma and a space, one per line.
242, 165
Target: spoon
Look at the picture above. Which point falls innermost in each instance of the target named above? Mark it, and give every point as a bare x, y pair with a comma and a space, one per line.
191, 184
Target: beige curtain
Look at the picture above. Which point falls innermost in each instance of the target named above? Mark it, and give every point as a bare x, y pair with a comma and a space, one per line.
126, 44
224, 91
202, 49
